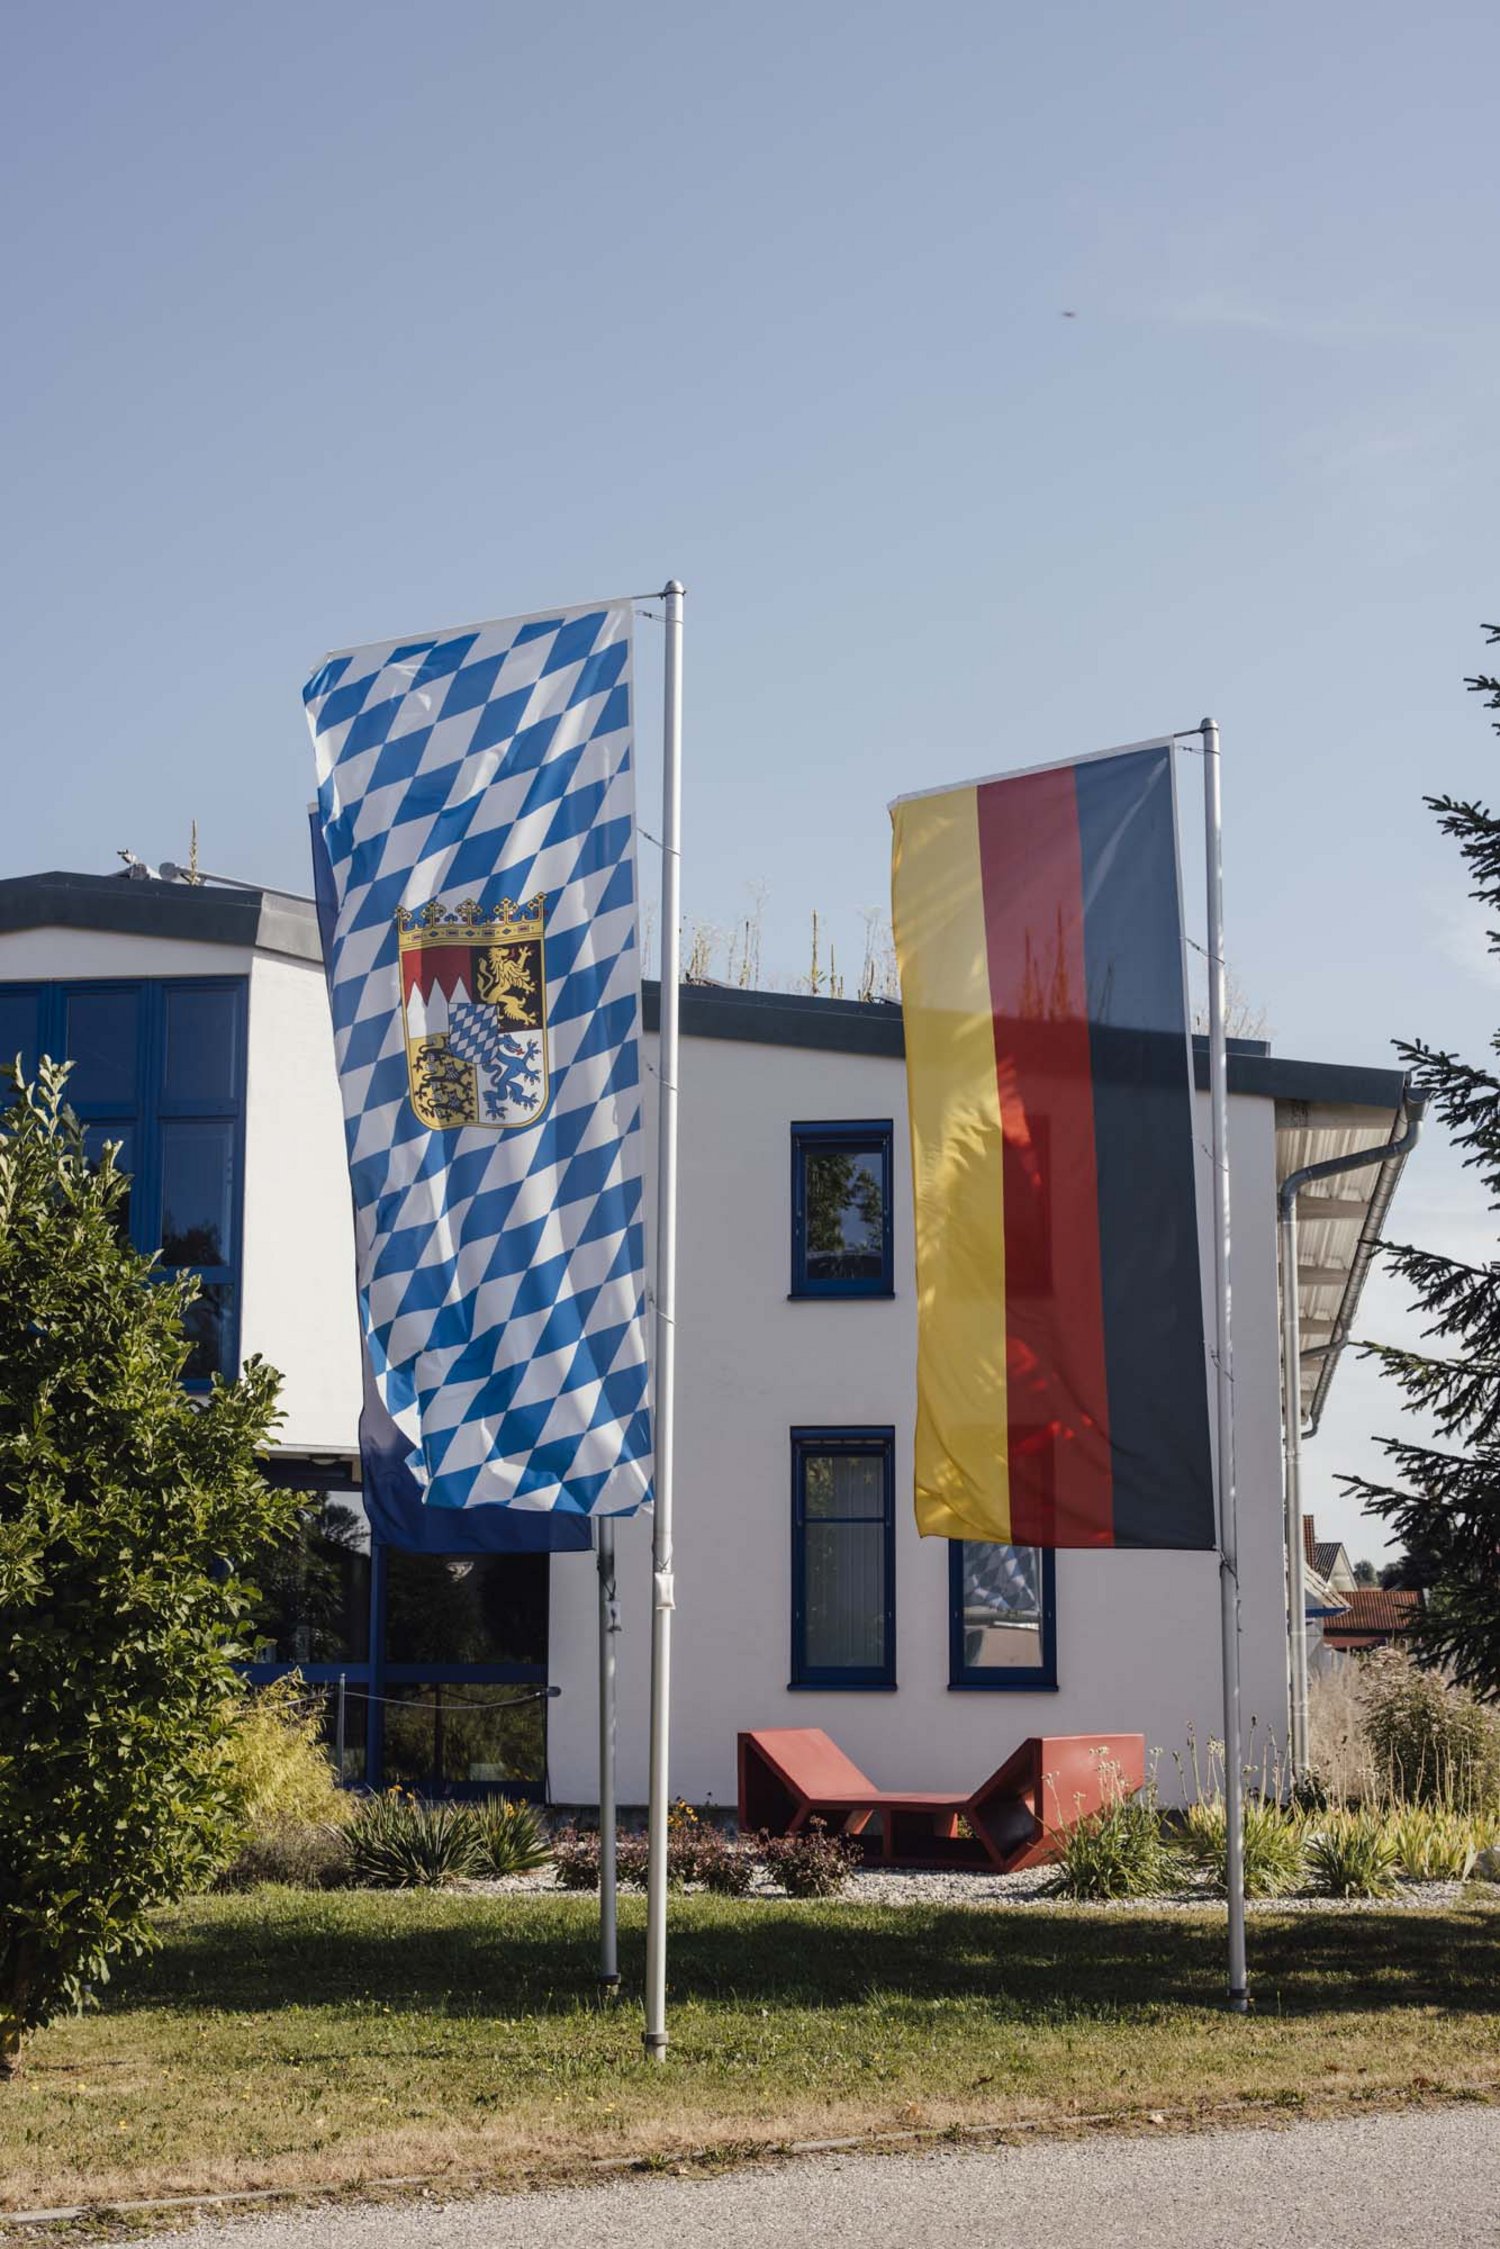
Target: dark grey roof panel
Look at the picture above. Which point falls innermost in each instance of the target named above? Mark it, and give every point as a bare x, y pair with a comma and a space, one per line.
1320, 1084
711, 1011
199, 913
278, 924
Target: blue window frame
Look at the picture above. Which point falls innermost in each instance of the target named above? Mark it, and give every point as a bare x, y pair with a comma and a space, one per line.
160, 1068
841, 1209
843, 1558
1002, 1617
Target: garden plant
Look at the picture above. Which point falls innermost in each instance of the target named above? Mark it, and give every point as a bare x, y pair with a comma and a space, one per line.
122, 1499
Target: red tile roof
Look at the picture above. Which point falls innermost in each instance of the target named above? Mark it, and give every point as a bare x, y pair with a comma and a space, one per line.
1373, 1614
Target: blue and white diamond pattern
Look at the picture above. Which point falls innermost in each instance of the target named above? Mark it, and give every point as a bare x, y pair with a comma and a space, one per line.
510, 1064
501, 1275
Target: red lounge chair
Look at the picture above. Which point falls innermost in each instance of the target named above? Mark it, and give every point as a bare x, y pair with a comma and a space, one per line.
792, 1774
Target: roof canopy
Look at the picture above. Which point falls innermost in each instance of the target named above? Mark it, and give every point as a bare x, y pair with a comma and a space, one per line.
1339, 1223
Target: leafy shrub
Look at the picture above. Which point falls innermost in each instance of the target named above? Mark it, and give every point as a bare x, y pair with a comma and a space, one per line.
699, 1851
696, 1852
1431, 1742
632, 1859
278, 1772
718, 1863
1116, 1852
1353, 1856
1434, 1844
119, 1497
395, 1842
812, 1864
1272, 1840
575, 1858
299, 1857
509, 1838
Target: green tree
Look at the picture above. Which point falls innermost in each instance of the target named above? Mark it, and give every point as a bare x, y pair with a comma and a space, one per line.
120, 1499
1444, 1499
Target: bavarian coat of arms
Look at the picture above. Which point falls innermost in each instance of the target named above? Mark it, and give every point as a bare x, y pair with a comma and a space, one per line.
474, 1000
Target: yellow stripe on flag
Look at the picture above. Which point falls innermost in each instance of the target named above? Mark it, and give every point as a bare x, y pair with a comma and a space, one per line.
937, 915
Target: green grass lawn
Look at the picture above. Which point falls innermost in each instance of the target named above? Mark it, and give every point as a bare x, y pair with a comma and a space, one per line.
293, 2039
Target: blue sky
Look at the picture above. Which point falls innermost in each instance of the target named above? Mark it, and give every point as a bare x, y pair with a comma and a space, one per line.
336, 321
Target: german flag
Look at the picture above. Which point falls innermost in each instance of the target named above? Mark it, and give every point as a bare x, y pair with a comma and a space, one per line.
1062, 1395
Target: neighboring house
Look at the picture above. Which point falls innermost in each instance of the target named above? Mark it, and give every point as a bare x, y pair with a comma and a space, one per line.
1343, 1616
1372, 1617
1328, 1559
198, 1021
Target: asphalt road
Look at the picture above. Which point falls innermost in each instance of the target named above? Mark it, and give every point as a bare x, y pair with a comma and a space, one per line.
1430, 2177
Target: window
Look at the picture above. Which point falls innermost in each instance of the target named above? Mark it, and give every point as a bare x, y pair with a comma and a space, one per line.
430, 1669
1002, 1617
841, 1210
444, 1610
464, 1672
443, 1737
314, 1590
20, 1023
843, 1558
158, 1068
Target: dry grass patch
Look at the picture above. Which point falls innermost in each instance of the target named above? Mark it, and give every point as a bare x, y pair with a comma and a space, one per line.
304, 2040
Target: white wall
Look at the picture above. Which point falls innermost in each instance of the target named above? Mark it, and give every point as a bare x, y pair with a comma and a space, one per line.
299, 1304
1138, 1633
59, 956
298, 1301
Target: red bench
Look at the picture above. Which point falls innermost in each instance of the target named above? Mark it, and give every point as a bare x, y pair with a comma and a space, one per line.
792, 1774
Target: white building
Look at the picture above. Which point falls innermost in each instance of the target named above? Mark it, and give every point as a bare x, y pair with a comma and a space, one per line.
198, 1022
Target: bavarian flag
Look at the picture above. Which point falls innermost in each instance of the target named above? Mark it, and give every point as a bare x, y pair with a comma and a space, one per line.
476, 815
1062, 1394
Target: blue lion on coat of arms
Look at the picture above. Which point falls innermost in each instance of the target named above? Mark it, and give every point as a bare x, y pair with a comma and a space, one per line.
507, 1065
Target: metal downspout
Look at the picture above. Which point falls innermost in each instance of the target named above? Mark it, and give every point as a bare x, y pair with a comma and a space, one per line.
1392, 1151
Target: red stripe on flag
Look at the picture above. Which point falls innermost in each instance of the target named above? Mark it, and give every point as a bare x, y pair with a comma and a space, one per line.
425, 968
1061, 1486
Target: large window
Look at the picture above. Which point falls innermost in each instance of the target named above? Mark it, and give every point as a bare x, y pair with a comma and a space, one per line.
841, 1210
1002, 1627
445, 1610
843, 1558
446, 1738
431, 1669
158, 1068
314, 1591
464, 1671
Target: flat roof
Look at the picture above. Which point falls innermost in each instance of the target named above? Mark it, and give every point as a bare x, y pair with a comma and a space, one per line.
711, 1011
139, 906
271, 921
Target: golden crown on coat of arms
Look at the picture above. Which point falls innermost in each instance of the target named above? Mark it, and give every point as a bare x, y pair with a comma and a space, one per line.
471, 923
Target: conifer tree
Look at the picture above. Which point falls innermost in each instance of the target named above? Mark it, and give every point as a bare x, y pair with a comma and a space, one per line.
1444, 1501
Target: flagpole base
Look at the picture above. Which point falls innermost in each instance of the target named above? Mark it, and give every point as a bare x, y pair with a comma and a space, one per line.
1239, 2002
609, 1986
655, 2043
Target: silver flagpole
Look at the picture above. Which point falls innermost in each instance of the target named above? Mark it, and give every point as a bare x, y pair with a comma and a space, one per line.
1291, 1423
666, 1334
609, 1626
1229, 1574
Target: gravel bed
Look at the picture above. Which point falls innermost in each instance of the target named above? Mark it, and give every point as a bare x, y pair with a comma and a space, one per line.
1034, 1886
